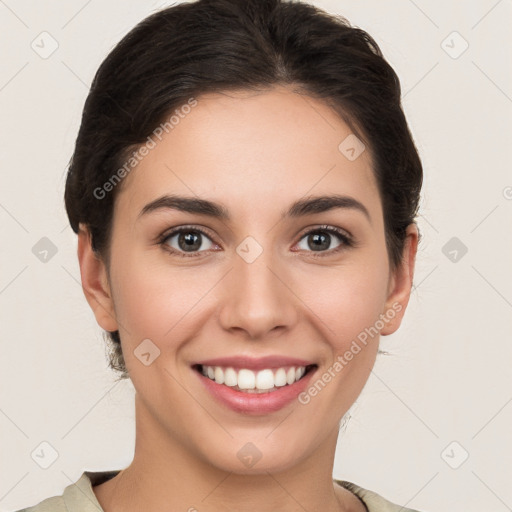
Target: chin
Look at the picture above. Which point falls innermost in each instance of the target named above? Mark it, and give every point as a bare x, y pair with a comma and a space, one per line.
258, 457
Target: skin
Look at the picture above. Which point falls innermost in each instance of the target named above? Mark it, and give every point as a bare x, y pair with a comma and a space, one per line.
255, 153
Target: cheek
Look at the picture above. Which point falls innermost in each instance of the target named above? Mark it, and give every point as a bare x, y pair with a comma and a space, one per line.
153, 300
348, 305
347, 299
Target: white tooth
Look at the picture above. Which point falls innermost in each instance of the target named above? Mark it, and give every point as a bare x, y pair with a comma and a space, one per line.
265, 379
299, 372
211, 372
290, 375
246, 379
219, 375
204, 371
280, 378
230, 378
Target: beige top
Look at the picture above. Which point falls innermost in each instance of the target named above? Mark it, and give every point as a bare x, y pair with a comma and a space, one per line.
79, 497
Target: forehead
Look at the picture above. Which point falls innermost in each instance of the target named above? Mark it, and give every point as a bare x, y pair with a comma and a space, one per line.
252, 149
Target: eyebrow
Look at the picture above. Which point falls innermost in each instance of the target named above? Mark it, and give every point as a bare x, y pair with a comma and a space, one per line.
308, 206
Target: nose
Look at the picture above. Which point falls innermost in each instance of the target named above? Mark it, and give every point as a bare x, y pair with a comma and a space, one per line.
257, 297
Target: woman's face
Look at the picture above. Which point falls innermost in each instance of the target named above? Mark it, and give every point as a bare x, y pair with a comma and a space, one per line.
265, 288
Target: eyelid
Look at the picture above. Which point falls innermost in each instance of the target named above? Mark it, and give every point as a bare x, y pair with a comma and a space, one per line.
347, 240
186, 227
169, 233
326, 227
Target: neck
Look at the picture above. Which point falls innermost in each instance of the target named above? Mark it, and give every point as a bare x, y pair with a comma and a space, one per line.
165, 472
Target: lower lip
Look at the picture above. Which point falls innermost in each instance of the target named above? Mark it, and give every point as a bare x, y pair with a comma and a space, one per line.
256, 403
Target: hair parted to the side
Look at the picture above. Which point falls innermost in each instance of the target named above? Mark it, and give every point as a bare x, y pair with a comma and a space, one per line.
189, 49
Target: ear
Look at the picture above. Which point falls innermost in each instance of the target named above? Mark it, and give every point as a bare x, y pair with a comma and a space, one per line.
95, 282
400, 282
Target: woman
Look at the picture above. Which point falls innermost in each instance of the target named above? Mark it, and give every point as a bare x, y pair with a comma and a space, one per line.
244, 189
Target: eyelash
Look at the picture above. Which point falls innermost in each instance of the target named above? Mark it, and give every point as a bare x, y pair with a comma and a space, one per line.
346, 240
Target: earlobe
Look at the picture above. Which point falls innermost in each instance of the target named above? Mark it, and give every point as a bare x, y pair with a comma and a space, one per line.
95, 282
401, 283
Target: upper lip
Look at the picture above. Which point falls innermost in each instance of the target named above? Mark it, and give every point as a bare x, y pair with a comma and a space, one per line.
255, 363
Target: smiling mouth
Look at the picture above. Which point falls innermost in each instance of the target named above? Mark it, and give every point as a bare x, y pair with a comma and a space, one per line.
266, 380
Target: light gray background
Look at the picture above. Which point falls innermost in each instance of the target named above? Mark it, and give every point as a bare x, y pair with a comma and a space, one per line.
449, 377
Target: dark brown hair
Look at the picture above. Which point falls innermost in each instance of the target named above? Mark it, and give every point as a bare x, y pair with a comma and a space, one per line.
210, 46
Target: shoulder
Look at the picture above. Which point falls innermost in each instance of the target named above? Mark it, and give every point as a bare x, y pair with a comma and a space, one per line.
76, 497
374, 502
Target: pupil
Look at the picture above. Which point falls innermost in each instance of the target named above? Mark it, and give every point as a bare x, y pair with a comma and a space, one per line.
320, 241
189, 241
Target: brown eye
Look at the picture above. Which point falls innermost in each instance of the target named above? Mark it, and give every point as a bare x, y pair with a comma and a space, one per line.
187, 240
321, 240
